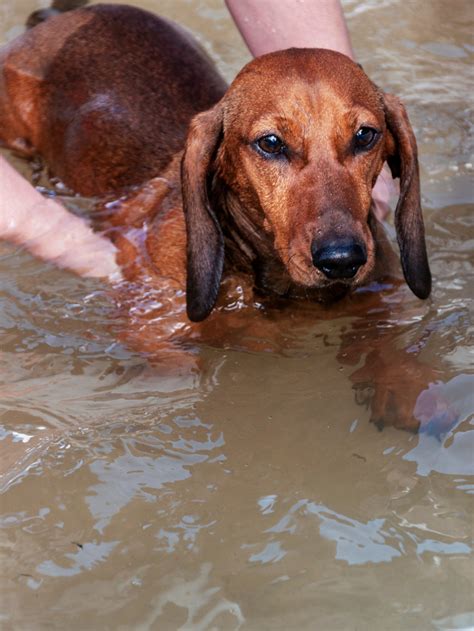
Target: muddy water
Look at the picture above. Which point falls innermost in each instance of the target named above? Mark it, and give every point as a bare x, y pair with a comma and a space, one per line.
254, 494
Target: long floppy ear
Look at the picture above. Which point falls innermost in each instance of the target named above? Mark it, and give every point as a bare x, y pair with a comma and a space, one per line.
205, 242
402, 159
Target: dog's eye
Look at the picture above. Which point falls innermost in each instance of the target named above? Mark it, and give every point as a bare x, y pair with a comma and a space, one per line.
365, 137
271, 144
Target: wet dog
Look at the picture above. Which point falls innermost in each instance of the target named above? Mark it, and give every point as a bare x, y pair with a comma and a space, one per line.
268, 181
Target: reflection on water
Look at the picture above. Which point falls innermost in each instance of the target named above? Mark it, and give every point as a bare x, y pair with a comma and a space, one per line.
252, 493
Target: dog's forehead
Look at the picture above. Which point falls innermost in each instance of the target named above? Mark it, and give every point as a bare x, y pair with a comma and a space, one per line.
297, 79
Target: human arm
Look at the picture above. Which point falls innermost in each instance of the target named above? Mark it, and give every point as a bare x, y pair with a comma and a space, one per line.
50, 231
269, 25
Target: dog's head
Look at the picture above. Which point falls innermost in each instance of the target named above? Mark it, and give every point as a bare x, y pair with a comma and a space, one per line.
298, 142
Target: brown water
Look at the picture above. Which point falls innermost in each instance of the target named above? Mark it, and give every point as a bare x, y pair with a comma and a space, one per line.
254, 494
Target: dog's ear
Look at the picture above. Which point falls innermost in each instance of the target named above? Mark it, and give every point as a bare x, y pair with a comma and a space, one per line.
402, 158
205, 242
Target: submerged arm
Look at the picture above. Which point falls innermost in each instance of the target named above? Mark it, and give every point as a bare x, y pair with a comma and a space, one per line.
48, 230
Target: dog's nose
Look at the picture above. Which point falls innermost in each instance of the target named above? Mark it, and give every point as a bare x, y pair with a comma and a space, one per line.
339, 259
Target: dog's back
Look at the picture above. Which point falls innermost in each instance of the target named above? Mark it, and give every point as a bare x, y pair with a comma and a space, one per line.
115, 88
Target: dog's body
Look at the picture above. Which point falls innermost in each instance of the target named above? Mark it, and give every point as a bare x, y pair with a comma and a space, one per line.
276, 176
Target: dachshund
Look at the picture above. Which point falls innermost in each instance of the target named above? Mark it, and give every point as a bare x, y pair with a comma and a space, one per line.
268, 181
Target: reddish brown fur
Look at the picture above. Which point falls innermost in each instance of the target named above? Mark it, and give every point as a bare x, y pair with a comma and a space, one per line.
106, 94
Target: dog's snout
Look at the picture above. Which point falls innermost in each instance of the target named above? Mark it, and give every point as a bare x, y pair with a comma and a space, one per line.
339, 259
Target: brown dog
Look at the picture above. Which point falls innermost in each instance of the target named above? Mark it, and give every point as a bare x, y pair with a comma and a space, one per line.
276, 177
